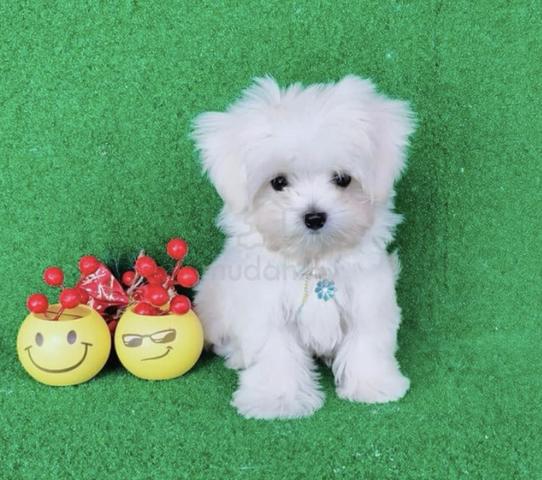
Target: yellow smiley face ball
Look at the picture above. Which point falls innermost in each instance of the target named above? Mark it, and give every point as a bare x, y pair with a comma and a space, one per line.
158, 347
67, 351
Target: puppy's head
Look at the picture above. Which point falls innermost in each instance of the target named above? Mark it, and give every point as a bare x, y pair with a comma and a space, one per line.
306, 167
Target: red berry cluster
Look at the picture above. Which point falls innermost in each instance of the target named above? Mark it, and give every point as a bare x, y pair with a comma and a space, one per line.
152, 287
149, 288
68, 297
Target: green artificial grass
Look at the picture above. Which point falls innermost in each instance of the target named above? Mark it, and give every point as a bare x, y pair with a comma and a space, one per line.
96, 100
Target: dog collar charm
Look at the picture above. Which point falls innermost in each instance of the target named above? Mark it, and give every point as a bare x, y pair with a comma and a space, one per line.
325, 289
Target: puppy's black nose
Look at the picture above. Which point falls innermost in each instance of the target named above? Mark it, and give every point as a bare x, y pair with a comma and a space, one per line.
315, 220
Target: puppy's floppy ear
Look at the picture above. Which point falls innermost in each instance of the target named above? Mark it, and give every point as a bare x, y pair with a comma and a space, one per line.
221, 157
387, 124
226, 140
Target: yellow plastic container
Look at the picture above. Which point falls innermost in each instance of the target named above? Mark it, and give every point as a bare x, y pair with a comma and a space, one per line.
67, 351
158, 347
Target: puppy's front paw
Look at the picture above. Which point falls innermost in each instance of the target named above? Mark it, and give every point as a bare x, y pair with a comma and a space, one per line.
268, 404
375, 389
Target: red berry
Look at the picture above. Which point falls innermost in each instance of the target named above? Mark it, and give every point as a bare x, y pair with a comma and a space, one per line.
157, 295
144, 308
158, 277
37, 303
69, 297
141, 292
180, 304
112, 325
88, 264
83, 295
53, 276
128, 278
177, 248
145, 266
187, 277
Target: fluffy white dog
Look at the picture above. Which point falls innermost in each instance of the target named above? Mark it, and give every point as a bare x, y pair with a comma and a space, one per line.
306, 176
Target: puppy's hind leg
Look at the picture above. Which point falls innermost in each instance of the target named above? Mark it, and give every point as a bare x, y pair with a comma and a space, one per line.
232, 354
216, 311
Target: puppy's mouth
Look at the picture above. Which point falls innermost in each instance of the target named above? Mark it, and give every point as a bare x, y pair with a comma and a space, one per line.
328, 240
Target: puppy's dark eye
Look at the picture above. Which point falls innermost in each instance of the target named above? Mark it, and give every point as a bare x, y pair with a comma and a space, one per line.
279, 183
341, 179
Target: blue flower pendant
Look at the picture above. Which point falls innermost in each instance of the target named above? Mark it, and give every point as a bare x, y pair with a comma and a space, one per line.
325, 289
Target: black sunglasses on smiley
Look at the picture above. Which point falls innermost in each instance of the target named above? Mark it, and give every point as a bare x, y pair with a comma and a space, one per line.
162, 336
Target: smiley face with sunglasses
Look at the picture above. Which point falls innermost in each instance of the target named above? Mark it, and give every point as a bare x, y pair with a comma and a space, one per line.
158, 347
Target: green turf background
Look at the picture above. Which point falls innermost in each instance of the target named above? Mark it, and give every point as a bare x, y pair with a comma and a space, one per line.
96, 99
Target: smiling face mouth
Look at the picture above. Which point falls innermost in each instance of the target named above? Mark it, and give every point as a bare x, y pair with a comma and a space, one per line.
59, 370
168, 349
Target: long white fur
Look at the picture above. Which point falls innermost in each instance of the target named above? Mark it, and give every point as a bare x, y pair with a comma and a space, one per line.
252, 300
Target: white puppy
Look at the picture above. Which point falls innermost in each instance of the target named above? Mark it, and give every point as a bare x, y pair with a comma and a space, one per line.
306, 176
